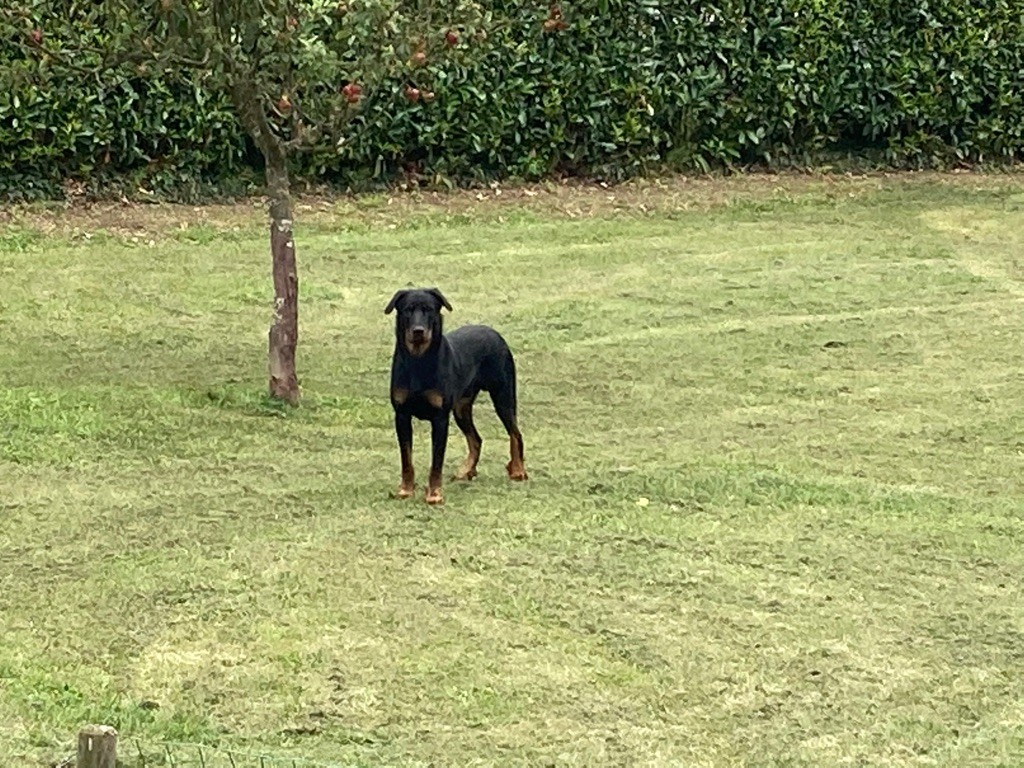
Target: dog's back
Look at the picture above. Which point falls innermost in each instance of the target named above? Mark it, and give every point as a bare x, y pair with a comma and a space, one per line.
484, 357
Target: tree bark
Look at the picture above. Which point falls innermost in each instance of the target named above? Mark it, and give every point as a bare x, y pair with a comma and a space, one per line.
284, 329
97, 747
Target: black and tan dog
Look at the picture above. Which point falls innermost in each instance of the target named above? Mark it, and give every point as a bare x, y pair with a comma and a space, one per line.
433, 375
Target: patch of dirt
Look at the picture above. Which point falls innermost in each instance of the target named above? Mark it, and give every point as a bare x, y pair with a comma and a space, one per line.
565, 199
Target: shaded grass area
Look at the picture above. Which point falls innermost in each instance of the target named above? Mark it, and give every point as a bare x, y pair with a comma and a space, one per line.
774, 516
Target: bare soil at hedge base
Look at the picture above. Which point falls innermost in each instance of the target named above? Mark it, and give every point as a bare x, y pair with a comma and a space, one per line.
774, 434
566, 199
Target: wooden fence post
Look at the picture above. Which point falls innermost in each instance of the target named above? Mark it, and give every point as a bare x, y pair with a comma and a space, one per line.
97, 747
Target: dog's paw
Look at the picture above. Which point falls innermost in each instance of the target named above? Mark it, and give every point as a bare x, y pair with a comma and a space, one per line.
464, 474
434, 496
403, 492
516, 473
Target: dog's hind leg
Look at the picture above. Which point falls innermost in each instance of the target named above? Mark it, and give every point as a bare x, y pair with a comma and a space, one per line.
504, 399
464, 418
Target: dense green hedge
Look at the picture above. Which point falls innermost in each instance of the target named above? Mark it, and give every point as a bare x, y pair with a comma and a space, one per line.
631, 85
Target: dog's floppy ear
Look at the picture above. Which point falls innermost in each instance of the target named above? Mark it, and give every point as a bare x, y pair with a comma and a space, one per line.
394, 300
440, 297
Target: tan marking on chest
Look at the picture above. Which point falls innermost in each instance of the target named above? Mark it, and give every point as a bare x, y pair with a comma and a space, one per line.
435, 398
399, 395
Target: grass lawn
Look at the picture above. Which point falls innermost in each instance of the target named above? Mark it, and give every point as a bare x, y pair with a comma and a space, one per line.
775, 435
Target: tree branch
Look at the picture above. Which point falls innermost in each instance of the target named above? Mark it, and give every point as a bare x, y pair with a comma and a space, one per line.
315, 132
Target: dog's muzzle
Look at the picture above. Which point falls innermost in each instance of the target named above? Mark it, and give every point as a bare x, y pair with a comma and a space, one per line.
417, 340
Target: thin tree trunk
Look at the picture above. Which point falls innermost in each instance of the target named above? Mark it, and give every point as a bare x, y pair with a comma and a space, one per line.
284, 329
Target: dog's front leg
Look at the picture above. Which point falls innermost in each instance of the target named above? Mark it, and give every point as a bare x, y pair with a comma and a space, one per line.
439, 442
403, 428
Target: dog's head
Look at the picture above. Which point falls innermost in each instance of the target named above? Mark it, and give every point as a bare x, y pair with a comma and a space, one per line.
418, 326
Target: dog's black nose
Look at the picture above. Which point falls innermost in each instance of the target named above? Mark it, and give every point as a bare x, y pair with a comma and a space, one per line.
418, 333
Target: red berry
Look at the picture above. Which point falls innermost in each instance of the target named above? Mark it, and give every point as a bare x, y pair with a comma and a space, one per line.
554, 21
352, 92
36, 36
412, 94
451, 37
